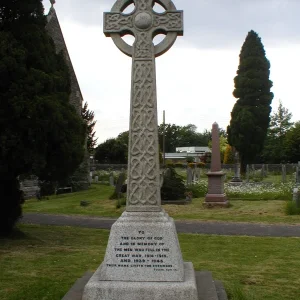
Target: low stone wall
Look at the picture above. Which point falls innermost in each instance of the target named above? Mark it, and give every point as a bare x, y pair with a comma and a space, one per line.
30, 187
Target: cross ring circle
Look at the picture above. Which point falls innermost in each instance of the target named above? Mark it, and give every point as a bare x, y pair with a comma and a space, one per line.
143, 22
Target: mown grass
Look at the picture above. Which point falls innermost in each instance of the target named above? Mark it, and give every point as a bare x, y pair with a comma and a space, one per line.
45, 261
259, 211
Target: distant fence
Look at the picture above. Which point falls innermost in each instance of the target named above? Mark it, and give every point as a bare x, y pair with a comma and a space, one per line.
273, 168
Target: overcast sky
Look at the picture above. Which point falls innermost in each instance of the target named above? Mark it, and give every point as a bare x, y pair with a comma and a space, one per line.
195, 77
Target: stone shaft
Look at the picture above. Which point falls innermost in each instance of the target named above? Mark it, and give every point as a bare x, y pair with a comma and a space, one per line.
215, 156
143, 182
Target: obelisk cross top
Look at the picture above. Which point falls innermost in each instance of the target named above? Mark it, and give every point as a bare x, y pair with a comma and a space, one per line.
144, 24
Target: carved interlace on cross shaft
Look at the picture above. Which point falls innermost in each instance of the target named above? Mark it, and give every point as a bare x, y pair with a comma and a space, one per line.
143, 23
143, 181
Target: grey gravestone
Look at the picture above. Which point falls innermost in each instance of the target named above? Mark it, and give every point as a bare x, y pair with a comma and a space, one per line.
298, 174
189, 176
283, 168
197, 175
263, 171
119, 184
143, 258
237, 170
96, 178
247, 173
111, 179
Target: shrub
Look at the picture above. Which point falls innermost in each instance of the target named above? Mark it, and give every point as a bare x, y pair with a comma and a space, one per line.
291, 208
121, 202
200, 165
179, 165
11, 205
173, 187
198, 190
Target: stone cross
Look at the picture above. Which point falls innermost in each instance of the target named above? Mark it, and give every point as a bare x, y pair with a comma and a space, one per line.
143, 189
52, 2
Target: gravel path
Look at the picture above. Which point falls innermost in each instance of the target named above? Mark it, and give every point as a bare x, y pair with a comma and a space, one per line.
202, 227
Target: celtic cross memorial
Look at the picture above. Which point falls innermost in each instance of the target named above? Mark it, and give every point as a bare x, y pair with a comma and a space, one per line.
143, 182
143, 260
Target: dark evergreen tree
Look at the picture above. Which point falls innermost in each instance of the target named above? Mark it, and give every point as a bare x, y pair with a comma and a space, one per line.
250, 116
173, 187
40, 132
88, 117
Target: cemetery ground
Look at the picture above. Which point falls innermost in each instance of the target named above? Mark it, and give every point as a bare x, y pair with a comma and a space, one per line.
43, 262
258, 204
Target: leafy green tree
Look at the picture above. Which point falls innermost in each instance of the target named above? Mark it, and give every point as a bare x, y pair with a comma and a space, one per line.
250, 116
229, 155
40, 132
88, 117
275, 142
292, 144
182, 136
112, 151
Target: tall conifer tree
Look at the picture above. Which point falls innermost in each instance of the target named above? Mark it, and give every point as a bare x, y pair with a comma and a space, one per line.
40, 132
88, 117
250, 116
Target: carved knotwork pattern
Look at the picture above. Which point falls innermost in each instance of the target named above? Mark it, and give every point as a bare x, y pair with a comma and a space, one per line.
143, 46
117, 21
169, 21
143, 178
143, 4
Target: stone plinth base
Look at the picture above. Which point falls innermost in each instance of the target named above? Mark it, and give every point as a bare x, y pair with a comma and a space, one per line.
237, 180
208, 289
143, 246
216, 200
235, 183
96, 289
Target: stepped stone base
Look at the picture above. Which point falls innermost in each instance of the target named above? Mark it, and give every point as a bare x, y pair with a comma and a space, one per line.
216, 200
97, 289
208, 289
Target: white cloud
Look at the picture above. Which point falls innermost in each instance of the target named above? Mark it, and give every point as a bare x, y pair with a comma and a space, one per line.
194, 82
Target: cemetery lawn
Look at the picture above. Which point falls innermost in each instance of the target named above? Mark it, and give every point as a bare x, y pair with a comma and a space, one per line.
257, 211
43, 262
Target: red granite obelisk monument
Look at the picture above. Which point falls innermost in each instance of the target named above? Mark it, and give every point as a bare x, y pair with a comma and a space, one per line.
215, 195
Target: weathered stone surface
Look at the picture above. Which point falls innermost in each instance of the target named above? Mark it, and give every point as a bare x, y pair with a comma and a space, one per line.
112, 290
143, 260
143, 182
208, 289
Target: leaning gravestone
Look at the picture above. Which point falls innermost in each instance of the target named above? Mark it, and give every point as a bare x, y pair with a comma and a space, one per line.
196, 177
119, 184
111, 179
189, 176
283, 167
143, 260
